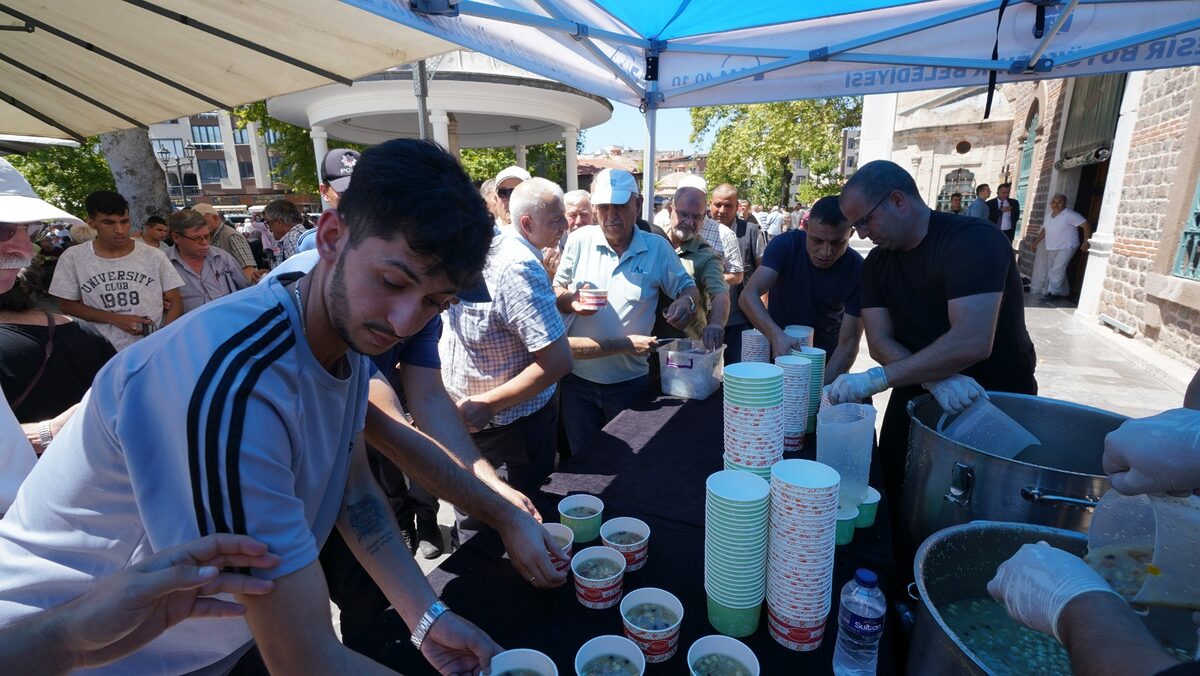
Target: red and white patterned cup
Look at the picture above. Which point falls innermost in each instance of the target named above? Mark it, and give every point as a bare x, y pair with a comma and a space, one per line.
659, 645
598, 593
635, 553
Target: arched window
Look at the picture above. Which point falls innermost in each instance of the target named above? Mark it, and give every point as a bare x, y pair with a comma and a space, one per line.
961, 181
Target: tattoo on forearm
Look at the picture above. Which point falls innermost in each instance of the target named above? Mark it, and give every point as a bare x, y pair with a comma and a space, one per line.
369, 519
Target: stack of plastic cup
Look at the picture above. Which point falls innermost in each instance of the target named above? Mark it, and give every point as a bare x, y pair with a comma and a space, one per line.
816, 380
754, 417
796, 392
755, 346
735, 550
803, 333
803, 529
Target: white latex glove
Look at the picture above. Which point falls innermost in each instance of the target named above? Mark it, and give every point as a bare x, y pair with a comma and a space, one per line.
852, 388
1159, 454
956, 393
1039, 581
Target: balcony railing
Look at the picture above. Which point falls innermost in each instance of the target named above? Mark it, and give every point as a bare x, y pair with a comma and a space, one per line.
1187, 260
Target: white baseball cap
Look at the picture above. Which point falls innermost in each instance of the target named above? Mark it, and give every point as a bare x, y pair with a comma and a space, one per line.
512, 172
613, 186
20, 204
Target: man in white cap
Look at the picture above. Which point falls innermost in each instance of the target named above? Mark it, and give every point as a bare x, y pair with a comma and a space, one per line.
23, 216
230, 240
507, 181
610, 345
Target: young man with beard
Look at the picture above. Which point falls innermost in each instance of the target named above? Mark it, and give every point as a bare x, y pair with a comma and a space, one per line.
263, 398
811, 278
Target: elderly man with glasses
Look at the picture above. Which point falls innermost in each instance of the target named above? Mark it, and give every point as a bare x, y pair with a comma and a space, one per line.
208, 272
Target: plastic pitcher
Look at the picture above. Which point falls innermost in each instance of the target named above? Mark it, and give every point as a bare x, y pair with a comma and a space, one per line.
845, 435
984, 427
1129, 529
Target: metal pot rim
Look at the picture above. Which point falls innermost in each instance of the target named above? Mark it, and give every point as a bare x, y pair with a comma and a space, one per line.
921, 399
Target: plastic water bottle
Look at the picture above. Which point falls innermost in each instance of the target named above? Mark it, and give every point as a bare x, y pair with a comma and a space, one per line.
860, 624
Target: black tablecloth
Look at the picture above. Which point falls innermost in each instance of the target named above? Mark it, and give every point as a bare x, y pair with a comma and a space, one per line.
650, 462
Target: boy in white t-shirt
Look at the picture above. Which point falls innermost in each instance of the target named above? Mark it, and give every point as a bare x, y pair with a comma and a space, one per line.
114, 283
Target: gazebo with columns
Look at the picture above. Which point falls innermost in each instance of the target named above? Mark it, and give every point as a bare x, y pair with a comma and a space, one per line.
474, 101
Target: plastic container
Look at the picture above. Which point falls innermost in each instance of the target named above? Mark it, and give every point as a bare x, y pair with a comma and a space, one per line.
525, 660
1127, 531
984, 427
860, 625
608, 645
688, 370
845, 435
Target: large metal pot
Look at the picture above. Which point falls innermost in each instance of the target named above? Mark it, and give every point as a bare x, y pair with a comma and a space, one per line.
947, 483
955, 564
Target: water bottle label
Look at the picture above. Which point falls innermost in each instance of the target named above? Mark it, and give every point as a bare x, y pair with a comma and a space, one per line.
862, 627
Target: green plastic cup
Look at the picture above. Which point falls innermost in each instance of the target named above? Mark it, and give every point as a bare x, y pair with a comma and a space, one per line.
866, 511
586, 528
845, 525
735, 622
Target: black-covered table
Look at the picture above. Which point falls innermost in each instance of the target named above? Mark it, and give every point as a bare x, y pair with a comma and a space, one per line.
650, 462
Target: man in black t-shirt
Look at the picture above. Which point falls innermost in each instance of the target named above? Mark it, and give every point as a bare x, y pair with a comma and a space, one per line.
942, 307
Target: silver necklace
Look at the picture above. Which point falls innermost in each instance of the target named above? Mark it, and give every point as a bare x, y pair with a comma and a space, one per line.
300, 308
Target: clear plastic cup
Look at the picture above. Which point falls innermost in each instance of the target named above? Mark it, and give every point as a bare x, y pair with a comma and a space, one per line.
845, 435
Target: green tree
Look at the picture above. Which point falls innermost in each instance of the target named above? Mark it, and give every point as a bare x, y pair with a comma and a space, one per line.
753, 145
297, 163
64, 176
548, 160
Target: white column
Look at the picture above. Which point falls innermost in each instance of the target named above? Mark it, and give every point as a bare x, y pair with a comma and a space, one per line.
259, 157
441, 127
320, 141
648, 162
571, 141
520, 151
229, 149
1100, 246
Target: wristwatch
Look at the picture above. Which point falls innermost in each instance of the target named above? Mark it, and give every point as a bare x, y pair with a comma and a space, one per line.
45, 435
435, 611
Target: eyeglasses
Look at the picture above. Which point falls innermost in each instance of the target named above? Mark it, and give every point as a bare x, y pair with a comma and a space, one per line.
505, 193
864, 222
199, 240
685, 216
34, 230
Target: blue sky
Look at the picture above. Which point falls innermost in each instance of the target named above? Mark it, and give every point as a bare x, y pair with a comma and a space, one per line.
626, 128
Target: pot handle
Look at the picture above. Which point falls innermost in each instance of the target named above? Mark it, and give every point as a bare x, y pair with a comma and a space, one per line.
962, 481
1039, 497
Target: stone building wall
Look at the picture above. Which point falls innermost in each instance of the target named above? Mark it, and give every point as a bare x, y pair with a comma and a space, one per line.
1160, 183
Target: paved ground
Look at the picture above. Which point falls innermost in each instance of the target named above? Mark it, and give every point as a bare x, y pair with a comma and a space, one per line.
1078, 361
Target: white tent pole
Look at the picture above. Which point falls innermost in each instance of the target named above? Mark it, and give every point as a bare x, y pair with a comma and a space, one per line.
581, 36
470, 8
651, 115
1062, 19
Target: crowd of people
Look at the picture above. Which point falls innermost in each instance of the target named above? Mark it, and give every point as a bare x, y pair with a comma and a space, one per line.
184, 416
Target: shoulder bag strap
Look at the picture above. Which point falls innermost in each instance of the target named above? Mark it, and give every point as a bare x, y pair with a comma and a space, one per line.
16, 403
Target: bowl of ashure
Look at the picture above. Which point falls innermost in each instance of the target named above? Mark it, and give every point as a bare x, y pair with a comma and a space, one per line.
523, 662
960, 629
610, 656
719, 655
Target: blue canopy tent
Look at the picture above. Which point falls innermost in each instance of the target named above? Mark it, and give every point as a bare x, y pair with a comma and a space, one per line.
681, 53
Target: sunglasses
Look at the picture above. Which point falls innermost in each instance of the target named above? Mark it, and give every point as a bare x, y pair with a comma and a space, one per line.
35, 230
505, 193
685, 216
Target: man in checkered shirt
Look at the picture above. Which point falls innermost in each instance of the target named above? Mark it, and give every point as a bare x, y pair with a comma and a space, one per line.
501, 360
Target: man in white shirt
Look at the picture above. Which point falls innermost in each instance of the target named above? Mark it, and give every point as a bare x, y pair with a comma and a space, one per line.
610, 345
501, 359
23, 217
112, 282
1055, 246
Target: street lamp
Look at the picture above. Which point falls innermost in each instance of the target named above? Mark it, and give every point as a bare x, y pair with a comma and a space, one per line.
170, 159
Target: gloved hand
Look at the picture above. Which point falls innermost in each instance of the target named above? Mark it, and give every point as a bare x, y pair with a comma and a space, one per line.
854, 387
956, 393
1039, 581
1159, 454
